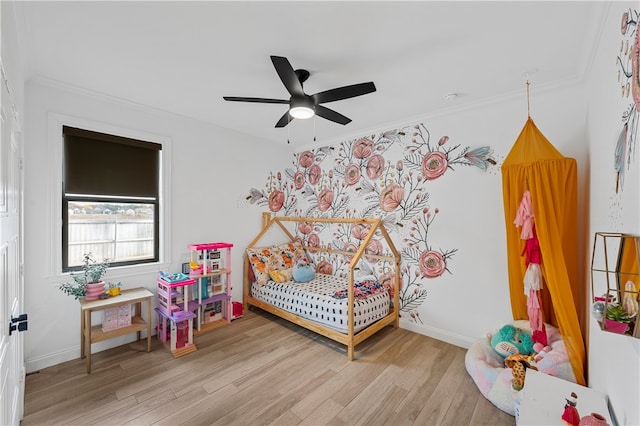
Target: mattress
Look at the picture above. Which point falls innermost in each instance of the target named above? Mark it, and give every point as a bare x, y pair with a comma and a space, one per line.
321, 300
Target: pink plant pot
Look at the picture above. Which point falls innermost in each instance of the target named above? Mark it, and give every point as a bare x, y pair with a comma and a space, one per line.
93, 291
615, 326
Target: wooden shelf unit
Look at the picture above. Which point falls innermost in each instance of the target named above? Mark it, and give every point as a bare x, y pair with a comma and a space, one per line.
92, 334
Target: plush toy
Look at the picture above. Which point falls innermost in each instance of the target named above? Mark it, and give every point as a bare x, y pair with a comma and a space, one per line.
278, 270
540, 351
511, 340
518, 364
303, 271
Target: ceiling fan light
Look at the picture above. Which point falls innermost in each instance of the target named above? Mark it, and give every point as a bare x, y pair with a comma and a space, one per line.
301, 112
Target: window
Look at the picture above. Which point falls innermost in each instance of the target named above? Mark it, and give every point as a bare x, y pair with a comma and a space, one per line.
110, 199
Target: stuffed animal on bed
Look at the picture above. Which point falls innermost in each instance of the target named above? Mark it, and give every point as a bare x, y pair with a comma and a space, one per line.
278, 270
303, 271
511, 340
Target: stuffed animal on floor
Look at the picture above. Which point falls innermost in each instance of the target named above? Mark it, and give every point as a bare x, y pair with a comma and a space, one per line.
540, 351
511, 340
518, 364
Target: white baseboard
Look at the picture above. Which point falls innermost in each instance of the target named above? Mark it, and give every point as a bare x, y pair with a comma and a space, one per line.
48, 360
36, 364
439, 334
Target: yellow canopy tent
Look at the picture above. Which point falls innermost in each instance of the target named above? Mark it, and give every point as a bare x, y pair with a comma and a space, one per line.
535, 164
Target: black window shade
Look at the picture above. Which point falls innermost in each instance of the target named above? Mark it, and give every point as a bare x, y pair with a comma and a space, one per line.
106, 165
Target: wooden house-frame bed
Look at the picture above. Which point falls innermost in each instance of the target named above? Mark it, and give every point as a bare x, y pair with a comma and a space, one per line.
351, 337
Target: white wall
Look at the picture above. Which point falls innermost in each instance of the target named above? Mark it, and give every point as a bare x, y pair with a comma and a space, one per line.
479, 286
209, 169
614, 360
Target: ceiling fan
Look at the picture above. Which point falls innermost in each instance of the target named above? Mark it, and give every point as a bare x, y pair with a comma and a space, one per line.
302, 105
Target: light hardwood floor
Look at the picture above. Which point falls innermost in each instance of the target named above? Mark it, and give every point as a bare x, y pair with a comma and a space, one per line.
261, 370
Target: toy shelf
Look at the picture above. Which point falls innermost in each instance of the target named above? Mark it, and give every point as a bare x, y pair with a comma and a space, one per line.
175, 320
210, 300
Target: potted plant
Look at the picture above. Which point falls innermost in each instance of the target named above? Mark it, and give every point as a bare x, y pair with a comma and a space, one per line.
87, 283
617, 319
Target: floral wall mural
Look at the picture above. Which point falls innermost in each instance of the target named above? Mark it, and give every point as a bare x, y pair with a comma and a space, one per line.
386, 175
628, 64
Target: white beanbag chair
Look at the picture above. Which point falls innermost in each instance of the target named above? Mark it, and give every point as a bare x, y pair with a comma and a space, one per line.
487, 368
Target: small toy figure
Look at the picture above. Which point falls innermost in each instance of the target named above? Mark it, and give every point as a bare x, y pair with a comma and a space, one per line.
570, 414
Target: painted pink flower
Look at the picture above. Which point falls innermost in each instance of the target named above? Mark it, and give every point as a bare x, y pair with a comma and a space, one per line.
325, 198
362, 148
434, 164
313, 241
305, 227
324, 267
306, 159
391, 197
375, 166
352, 248
443, 140
352, 174
314, 174
298, 180
387, 280
360, 230
276, 200
432, 264
625, 23
374, 247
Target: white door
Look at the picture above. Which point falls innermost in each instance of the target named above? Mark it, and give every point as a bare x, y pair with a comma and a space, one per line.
12, 370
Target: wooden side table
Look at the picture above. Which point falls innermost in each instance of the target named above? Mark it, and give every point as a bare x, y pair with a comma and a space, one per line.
543, 400
89, 334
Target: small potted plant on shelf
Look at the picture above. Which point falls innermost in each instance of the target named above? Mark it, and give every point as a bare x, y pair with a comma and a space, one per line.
617, 319
87, 283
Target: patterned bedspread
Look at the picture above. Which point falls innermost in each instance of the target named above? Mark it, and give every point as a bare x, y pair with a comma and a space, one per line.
321, 300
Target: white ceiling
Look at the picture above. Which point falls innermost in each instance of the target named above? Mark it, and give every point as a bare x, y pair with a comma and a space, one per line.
182, 57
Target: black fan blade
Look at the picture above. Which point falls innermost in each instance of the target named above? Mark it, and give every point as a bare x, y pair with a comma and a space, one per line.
287, 75
284, 120
257, 100
331, 115
345, 92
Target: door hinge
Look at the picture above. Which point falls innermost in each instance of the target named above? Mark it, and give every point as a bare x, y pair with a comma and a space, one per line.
18, 323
